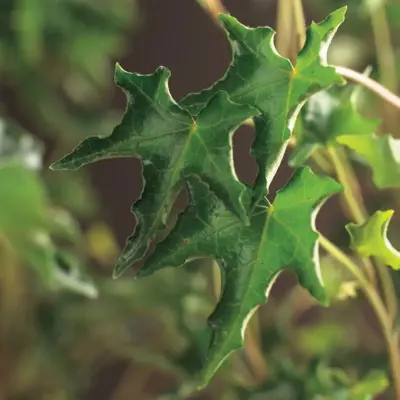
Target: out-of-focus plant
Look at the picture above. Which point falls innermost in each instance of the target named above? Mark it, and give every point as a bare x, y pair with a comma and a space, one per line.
54, 56
62, 324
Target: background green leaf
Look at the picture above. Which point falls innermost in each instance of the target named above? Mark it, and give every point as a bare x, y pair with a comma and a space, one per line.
370, 239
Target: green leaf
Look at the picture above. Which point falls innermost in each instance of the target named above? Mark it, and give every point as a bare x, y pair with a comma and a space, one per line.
374, 383
370, 239
325, 120
382, 154
259, 76
280, 235
22, 199
171, 145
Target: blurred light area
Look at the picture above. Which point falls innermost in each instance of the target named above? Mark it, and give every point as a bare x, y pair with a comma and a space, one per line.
347, 51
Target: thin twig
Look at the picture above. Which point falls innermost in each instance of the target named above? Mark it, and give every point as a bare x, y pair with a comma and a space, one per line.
384, 48
386, 58
369, 83
213, 8
284, 29
300, 24
352, 196
376, 303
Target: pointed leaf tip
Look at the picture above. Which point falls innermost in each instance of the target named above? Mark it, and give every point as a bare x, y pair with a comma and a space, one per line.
224, 18
62, 165
116, 274
370, 239
119, 74
54, 166
341, 11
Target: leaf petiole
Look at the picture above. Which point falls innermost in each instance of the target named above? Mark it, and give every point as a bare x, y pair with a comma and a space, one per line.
370, 84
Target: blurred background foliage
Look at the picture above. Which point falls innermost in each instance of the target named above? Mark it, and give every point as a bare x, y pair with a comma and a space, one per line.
67, 331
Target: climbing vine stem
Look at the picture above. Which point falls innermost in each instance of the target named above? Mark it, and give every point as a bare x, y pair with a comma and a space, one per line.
376, 302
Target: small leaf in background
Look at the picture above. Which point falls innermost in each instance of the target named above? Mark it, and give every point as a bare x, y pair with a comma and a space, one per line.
26, 219
324, 121
370, 239
280, 236
26, 223
63, 225
67, 275
371, 385
382, 154
327, 120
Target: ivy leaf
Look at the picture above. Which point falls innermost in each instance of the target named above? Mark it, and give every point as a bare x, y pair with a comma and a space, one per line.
172, 145
324, 121
258, 75
327, 120
382, 154
374, 383
370, 239
280, 235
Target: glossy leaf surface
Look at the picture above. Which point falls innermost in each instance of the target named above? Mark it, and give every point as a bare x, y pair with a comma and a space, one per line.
172, 145
280, 236
194, 137
259, 76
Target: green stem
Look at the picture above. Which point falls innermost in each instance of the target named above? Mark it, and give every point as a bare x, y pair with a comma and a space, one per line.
370, 84
384, 49
376, 303
351, 188
352, 196
299, 23
258, 365
319, 159
344, 259
284, 29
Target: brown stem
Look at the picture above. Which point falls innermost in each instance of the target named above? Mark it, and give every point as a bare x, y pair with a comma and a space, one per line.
213, 8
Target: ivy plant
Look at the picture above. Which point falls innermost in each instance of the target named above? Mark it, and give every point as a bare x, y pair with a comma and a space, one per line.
251, 236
